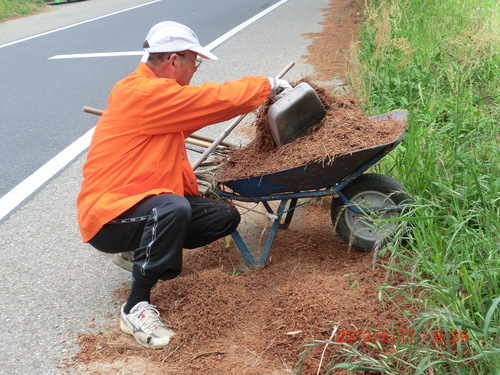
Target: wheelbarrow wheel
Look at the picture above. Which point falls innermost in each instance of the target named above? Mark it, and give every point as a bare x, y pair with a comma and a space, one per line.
376, 196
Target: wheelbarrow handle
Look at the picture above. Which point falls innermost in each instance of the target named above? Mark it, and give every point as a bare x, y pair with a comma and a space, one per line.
93, 111
230, 128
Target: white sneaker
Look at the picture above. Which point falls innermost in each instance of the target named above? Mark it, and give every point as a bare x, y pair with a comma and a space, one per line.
144, 323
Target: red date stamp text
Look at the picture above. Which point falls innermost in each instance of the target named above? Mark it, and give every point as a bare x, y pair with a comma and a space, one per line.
400, 336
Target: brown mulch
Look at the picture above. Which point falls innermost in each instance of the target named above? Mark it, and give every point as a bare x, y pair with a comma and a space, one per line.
229, 320
345, 128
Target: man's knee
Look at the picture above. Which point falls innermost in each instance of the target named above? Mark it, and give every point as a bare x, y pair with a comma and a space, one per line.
182, 208
174, 207
233, 218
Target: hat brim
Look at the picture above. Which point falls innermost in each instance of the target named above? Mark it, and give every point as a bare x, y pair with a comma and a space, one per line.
203, 52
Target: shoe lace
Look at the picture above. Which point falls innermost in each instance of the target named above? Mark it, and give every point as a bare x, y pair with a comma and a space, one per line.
150, 318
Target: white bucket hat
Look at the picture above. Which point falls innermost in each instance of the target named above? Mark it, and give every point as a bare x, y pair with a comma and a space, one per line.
169, 36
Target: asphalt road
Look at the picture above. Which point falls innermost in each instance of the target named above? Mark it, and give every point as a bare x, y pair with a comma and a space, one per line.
42, 97
54, 286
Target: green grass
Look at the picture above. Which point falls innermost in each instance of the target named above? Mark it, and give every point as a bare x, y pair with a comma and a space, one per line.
440, 61
15, 8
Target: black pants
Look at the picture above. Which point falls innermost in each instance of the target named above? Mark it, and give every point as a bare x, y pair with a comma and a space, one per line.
159, 227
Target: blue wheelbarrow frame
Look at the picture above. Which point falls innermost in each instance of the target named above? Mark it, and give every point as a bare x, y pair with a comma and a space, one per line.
306, 181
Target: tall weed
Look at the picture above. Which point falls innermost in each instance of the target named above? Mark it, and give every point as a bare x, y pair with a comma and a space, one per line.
440, 61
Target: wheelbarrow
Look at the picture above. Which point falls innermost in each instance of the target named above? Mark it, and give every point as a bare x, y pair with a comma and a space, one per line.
359, 199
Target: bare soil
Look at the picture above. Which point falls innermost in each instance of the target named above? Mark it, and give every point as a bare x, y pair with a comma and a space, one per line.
231, 320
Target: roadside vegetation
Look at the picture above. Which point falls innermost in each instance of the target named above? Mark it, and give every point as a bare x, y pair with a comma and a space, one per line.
16, 8
440, 61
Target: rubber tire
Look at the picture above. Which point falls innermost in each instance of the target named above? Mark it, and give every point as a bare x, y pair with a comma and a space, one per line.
379, 191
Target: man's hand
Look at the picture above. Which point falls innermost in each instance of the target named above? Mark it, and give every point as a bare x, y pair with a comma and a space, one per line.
279, 88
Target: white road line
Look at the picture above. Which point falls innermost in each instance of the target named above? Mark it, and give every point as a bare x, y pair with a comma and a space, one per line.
100, 54
19, 194
240, 27
76, 24
210, 46
33, 183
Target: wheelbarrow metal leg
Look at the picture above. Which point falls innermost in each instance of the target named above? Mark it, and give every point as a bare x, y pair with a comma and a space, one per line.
289, 215
242, 247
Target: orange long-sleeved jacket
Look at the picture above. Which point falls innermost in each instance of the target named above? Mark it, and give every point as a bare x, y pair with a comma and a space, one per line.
138, 148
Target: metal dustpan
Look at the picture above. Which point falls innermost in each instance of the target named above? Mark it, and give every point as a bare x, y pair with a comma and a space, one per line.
296, 112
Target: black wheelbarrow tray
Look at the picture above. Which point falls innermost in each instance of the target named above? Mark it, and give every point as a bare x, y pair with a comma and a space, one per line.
358, 197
